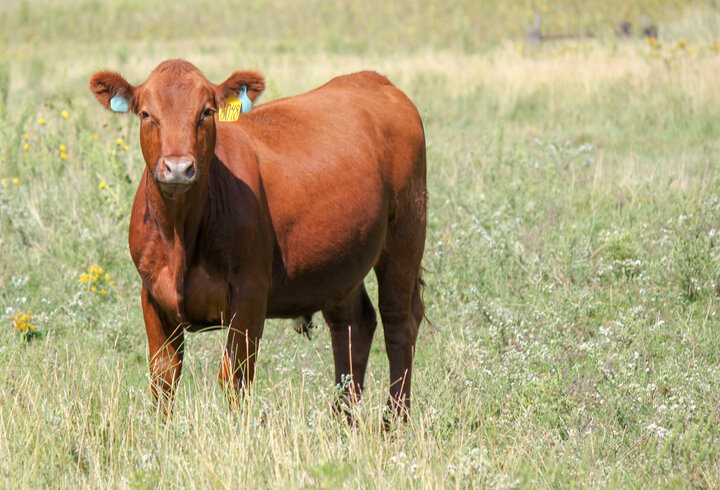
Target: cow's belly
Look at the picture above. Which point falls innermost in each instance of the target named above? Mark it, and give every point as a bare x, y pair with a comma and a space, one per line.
321, 265
329, 206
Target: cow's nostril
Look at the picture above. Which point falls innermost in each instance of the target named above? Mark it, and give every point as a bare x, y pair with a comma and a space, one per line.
177, 170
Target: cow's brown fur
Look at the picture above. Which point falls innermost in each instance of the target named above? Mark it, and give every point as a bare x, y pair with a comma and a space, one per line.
292, 206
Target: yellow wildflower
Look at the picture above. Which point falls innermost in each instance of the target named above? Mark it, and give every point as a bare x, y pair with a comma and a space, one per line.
102, 185
41, 121
21, 322
63, 148
96, 280
96, 136
26, 136
26, 146
65, 114
63, 155
93, 273
126, 148
4, 182
119, 141
15, 181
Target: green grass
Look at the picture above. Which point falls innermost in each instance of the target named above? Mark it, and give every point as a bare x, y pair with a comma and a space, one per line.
572, 262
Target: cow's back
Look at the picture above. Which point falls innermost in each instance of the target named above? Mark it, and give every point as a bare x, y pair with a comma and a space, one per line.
335, 164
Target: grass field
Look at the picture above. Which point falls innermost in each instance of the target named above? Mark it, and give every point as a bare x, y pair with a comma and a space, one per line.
572, 258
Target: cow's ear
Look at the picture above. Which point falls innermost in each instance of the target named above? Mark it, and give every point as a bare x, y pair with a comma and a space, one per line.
253, 81
113, 91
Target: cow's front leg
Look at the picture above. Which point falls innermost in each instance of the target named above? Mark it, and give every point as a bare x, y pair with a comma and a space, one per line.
165, 343
237, 369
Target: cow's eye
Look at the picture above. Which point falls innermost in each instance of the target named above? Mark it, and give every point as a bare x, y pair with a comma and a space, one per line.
147, 119
207, 113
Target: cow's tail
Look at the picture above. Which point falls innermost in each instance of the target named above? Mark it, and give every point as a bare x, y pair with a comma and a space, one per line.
421, 291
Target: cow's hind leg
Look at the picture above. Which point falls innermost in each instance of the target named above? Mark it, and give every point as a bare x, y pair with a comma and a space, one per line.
400, 303
352, 323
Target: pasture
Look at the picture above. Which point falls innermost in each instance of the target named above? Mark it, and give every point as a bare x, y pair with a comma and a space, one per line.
572, 259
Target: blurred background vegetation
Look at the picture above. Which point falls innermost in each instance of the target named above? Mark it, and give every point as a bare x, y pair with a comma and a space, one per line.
299, 26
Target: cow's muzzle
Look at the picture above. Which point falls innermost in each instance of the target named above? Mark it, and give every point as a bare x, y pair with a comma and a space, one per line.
176, 174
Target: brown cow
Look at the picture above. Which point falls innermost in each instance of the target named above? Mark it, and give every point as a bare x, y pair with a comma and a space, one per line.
279, 214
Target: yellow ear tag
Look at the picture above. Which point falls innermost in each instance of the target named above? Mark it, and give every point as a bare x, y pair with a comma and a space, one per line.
232, 109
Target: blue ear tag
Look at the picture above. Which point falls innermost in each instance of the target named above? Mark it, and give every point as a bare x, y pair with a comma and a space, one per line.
246, 102
119, 103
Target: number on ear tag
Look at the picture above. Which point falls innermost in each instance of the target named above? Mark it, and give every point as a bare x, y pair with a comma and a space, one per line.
231, 111
235, 105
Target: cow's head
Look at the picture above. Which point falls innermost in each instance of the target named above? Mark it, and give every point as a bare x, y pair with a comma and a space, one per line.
177, 107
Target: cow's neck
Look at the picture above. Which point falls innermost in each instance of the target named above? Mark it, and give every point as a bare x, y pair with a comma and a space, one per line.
179, 221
